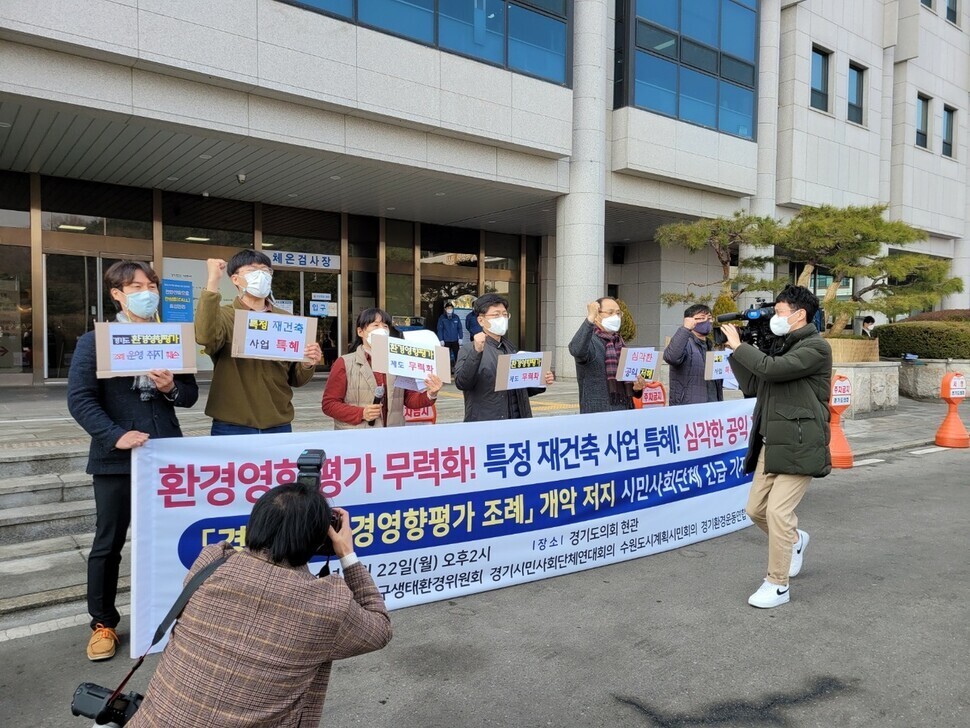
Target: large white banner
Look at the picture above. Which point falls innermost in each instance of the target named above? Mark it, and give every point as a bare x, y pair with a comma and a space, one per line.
454, 509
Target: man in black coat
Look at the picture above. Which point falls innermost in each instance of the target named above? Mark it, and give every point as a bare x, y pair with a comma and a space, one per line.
120, 414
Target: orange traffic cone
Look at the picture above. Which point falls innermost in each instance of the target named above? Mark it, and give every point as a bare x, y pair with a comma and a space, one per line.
952, 432
838, 403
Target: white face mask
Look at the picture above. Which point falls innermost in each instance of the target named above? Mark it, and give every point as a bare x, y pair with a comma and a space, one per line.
498, 326
259, 283
372, 334
612, 323
780, 325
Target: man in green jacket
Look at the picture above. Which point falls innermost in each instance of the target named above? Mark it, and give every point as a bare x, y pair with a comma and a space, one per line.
247, 396
789, 442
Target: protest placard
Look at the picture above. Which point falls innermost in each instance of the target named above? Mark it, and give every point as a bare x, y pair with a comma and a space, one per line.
637, 361
444, 511
264, 335
717, 365
521, 370
405, 358
128, 349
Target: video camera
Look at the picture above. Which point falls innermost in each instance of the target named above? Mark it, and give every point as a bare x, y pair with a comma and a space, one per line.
757, 328
308, 467
94, 701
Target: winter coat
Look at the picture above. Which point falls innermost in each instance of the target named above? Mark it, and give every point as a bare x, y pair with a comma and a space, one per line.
589, 350
687, 357
449, 328
791, 415
108, 408
474, 375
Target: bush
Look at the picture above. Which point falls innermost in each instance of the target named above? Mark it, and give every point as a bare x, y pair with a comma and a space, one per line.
926, 339
628, 327
950, 314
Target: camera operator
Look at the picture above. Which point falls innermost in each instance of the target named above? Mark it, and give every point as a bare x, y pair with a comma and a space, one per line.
789, 442
255, 644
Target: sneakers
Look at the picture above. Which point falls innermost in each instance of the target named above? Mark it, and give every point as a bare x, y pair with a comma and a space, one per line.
101, 646
770, 595
798, 553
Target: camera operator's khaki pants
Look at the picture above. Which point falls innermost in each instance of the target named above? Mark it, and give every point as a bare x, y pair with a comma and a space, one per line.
771, 505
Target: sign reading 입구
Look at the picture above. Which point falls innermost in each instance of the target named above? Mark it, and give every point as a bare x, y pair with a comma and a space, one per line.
127, 349
521, 370
439, 512
261, 335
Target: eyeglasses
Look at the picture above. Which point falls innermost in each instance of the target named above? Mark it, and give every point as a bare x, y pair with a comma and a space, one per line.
497, 316
786, 315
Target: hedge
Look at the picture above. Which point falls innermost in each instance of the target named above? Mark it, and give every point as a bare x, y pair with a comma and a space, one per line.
926, 339
950, 314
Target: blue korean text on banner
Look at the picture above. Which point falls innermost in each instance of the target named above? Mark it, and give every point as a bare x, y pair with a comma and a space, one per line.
177, 301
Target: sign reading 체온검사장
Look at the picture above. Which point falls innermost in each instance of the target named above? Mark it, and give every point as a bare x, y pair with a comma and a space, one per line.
128, 349
521, 370
454, 509
262, 335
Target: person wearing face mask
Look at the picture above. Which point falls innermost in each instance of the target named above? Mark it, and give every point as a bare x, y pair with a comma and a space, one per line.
789, 441
596, 349
247, 396
449, 331
119, 413
353, 385
687, 356
478, 363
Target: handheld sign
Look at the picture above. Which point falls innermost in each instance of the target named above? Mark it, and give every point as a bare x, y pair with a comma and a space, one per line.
127, 349
403, 358
717, 365
521, 370
637, 361
264, 335
654, 395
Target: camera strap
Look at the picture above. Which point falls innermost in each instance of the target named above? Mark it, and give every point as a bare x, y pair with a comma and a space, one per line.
194, 583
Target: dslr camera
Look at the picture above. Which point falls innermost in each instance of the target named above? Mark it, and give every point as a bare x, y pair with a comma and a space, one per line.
94, 701
308, 467
757, 326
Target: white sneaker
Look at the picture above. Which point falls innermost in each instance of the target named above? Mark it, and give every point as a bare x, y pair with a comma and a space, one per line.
798, 553
770, 595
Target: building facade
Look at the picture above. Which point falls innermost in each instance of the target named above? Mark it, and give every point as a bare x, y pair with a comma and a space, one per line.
403, 153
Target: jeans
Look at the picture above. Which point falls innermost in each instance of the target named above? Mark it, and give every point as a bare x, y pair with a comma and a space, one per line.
112, 499
227, 428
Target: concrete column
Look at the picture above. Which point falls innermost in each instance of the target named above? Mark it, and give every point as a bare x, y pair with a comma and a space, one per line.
581, 214
769, 60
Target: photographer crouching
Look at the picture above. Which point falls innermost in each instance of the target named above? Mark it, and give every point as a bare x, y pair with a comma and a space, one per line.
255, 643
789, 442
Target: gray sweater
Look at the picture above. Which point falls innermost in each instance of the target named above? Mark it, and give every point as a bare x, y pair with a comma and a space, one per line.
589, 351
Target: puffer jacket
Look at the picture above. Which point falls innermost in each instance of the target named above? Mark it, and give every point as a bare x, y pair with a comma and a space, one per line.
791, 415
687, 357
475, 377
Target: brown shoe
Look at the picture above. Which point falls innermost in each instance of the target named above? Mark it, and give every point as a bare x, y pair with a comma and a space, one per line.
101, 646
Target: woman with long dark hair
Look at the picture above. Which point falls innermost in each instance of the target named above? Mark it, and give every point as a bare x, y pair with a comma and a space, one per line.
353, 385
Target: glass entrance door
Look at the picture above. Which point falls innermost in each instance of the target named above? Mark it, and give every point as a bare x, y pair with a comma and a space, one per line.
75, 301
308, 292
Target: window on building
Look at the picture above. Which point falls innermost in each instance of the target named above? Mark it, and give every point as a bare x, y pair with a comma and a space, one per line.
922, 120
951, 10
820, 79
695, 60
529, 36
857, 78
927, 3
949, 122
92, 208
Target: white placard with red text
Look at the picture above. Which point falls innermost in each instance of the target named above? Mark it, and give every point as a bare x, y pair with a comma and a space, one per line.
443, 511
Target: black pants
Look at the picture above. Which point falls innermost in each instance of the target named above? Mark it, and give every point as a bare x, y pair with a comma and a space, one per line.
112, 498
453, 346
